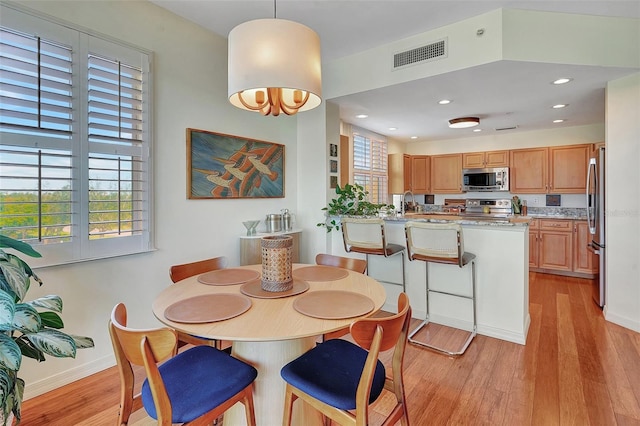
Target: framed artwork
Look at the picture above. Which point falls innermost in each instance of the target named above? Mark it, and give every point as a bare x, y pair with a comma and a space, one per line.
226, 166
333, 165
333, 180
333, 150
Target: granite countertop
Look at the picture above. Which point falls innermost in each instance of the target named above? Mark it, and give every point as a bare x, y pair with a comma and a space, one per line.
532, 212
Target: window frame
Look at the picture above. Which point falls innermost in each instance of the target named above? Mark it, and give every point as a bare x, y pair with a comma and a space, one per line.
381, 196
83, 42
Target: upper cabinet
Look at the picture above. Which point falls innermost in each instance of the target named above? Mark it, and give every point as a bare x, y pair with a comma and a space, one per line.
481, 160
555, 170
409, 173
446, 174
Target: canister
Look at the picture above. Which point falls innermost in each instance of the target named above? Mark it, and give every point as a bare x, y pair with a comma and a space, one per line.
274, 222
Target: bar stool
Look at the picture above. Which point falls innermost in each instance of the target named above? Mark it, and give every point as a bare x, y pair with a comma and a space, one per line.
440, 243
367, 236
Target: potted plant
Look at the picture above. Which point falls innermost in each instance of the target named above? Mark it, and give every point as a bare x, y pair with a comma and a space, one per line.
25, 330
351, 200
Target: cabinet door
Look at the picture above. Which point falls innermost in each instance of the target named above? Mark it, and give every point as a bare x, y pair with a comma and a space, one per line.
407, 165
534, 249
555, 250
473, 160
568, 169
446, 171
584, 260
496, 159
529, 171
396, 170
421, 170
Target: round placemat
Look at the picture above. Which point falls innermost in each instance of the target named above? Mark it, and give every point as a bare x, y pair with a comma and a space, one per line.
320, 273
254, 289
333, 304
228, 276
208, 308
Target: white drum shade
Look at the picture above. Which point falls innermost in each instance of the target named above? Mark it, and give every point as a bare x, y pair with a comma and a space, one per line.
274, 54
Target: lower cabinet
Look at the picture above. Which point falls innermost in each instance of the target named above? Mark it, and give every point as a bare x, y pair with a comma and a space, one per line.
559, 246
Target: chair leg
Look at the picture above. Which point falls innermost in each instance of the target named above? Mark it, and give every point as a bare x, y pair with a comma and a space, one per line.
288, 406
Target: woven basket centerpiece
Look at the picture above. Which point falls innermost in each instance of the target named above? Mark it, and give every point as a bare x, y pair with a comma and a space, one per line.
276, 263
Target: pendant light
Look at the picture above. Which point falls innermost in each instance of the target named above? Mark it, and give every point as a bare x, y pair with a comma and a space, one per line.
274, 67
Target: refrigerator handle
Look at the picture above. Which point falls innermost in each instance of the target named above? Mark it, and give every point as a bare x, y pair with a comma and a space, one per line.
591, 217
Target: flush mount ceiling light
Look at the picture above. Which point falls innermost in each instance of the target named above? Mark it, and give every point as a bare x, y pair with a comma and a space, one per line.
463, 122
274, 67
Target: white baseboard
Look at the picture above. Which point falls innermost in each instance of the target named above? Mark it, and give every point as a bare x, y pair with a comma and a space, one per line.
629, 323
34, 389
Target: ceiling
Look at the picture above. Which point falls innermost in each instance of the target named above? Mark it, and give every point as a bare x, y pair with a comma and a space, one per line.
506, 95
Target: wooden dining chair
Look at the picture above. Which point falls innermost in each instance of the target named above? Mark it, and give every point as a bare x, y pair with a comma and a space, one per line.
186, 270
193, 387
340, 379
357, 265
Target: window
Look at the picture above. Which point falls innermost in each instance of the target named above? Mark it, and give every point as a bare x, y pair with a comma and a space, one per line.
370, 166
74, 147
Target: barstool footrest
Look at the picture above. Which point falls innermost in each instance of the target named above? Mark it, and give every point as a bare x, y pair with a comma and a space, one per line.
462, 350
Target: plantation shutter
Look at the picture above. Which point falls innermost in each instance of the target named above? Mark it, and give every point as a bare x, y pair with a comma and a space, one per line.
370, 166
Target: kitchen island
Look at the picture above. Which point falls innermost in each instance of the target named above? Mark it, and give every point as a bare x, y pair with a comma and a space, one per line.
501, 247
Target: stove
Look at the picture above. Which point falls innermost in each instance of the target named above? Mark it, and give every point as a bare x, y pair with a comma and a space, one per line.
487, 208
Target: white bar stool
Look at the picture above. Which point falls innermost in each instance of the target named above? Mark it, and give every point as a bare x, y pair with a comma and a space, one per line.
367, 236
440, 243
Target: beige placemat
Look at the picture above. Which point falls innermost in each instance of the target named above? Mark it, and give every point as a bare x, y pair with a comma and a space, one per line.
228, 276
208, 308
320, 273
254, 289
333, 304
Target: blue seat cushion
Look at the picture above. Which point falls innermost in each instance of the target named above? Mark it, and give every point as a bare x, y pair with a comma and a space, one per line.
198, 380
330, 372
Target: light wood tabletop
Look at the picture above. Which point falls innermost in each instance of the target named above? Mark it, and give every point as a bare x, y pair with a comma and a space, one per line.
268, 335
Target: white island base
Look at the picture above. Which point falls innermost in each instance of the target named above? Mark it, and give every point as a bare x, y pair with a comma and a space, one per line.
502, 262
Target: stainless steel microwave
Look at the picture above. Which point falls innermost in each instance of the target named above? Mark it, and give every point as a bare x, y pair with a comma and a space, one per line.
485, 180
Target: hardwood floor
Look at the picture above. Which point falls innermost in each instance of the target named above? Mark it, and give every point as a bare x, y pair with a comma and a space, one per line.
576, 369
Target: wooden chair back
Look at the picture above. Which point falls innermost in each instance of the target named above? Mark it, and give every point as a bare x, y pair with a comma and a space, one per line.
145, 348
186, 270
357, 265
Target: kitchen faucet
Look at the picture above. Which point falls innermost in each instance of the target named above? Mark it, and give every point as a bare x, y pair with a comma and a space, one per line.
404, 197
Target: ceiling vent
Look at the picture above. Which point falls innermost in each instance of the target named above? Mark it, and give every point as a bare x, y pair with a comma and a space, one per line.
429, 52
506, 128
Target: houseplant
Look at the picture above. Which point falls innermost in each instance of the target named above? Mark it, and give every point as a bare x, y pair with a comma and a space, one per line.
350, 200
25, 331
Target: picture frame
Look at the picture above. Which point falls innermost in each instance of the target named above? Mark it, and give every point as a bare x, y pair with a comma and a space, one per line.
221, 166
333, 182
333, 150
333, 166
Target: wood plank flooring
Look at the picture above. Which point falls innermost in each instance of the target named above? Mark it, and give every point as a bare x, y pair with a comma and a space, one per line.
576, 369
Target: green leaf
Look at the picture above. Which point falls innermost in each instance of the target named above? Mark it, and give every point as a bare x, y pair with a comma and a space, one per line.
14, 278
50, 301
82, 342
7, 389
51, 319
7, 311
26, 319
54, 343
22, 247
29, 350
17, 400
10, 355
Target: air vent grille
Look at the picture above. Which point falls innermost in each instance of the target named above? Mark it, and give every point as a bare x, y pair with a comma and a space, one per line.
506, 128
432, 51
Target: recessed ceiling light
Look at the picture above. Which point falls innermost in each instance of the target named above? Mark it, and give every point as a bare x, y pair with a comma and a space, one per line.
361, 116
562, 80
559, 106
393, 128
444, 101
414, 137
558, 121
477, 130
463, 122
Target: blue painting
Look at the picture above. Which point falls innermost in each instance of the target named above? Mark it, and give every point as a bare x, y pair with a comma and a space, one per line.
225, 166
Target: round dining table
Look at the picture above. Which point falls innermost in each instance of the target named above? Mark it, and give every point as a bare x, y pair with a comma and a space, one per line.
272, 329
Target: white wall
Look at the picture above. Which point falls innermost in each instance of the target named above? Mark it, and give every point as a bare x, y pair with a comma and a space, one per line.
623, 202
190, 82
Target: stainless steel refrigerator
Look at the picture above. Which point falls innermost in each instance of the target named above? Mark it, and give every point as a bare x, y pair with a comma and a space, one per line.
596, 209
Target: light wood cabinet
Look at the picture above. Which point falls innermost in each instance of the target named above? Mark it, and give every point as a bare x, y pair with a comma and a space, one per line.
251, 247
480, 160
554, 170
420, 174
584, 260
568, 169
446, 174
559, 246
399, 171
